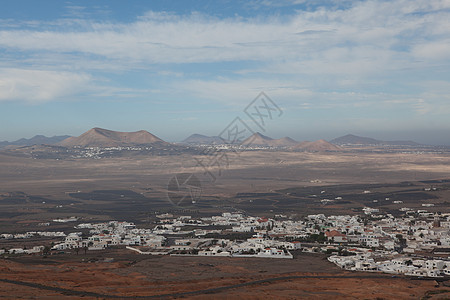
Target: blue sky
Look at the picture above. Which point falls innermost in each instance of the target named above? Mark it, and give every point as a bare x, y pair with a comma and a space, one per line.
374, 68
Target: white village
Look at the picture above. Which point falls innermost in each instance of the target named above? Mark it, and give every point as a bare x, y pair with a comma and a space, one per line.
415, 244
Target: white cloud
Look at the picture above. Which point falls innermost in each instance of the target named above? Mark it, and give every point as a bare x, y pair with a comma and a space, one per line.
293, 95
367, 32
37, 86
239, 93
433, 51
316, 50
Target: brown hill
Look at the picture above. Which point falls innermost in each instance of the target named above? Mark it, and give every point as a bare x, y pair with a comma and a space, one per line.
317, 146
98, 137
286, 141
351, 139
257, 139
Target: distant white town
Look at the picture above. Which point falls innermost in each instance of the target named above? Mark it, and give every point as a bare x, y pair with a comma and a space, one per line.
416, 244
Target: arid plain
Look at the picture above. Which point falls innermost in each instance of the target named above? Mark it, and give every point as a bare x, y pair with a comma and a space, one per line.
250, 171
260, 183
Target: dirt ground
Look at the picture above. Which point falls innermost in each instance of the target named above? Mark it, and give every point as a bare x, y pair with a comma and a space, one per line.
252, 171
130, 275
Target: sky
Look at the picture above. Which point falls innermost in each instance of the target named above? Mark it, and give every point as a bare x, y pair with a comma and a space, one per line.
372, 68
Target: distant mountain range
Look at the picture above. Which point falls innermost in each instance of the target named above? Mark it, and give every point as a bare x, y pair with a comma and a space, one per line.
317, 146
36, 140
99, 137
199, 139
260, 140
351, 139
257, 139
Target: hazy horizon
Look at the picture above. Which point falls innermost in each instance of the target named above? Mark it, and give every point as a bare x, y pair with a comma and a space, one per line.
386, 136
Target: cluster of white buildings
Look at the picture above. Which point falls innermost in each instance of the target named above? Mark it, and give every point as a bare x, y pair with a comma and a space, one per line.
371, 242
100, 152
35, 249
392, 263
113, 233
30, 234
416, 244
